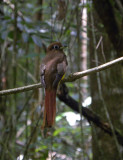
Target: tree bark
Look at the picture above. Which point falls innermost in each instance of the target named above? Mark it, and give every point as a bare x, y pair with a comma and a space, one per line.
106, 92
106, 13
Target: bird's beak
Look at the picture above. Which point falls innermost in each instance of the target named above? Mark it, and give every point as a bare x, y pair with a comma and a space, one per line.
63, 47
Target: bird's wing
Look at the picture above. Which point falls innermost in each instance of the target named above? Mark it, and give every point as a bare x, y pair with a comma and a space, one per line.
42, 69
61, 69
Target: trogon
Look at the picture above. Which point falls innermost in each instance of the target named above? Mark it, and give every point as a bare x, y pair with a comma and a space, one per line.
52, 70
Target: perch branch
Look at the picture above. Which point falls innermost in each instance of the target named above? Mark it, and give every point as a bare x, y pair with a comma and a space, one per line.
20, 89
102, 67
70, 78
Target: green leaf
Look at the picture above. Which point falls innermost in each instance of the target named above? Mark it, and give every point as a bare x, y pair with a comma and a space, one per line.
59, 117
43, 147
4, 35
37, 40
25, 36
31, 55
59, 131
36, 9
70, 85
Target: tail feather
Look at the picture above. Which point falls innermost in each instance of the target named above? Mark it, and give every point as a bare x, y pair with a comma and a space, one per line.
50, 108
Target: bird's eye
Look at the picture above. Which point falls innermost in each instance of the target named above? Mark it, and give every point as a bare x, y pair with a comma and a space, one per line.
56, 47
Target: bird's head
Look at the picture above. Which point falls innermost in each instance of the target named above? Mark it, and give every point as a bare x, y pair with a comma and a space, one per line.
55, 46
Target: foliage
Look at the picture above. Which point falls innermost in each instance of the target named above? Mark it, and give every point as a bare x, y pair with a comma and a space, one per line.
27, 28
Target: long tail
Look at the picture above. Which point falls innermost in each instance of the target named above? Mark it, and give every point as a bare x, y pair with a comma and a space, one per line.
50, 108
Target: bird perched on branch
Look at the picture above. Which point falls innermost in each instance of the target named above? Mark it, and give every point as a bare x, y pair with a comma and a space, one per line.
53, 68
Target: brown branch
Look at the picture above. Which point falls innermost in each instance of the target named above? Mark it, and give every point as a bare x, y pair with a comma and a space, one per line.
87, 113
70, 78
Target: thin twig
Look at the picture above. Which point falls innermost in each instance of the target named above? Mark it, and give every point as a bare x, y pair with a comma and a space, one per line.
31, 137
70, 78
98, 44
27, 72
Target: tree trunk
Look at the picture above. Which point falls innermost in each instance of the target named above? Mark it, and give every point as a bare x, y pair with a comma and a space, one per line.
107, 93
